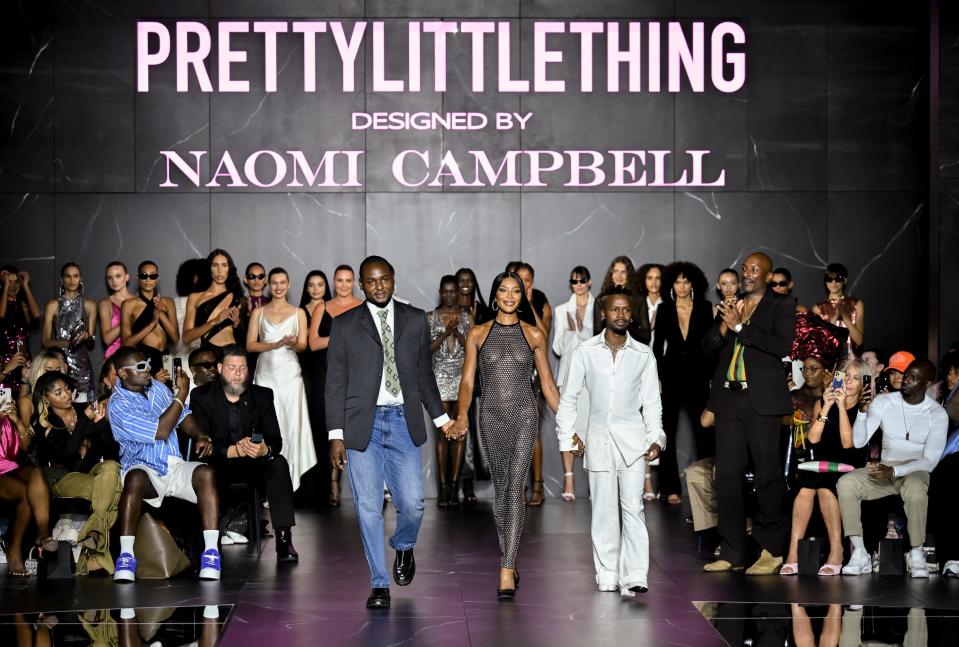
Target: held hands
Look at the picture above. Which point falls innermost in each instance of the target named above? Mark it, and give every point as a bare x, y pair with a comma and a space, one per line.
653, 452
246, 448
338, 454
579, 447
455, 429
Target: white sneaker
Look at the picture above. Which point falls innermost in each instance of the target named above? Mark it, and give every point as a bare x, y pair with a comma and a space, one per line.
236, 538
951, 568
859, 564
917, 565
226, 540
607, 588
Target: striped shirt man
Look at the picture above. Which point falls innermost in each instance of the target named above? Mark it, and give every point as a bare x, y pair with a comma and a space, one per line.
134, 418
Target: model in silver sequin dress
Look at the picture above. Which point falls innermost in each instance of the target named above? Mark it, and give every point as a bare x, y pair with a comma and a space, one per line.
71, 320
448, 358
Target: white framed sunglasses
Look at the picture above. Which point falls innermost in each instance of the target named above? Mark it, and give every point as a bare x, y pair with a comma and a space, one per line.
139, 367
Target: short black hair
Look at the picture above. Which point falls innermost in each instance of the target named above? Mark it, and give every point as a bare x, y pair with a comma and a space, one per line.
730, 270
67, 266
881, 356
371, 260
926, 368
251, 266
144, 264
233, 350
616, 290
580, 271
837, 268
124, 354
196, 352
784, 272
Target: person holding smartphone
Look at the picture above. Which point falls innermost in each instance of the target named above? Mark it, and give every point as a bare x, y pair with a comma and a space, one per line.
241, 419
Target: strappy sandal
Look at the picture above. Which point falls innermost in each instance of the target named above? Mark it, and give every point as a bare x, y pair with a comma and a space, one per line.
568, 496
791, 568
835, 568
538, 497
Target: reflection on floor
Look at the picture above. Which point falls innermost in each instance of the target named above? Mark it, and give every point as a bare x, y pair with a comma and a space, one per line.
452, 602
199, 626
832, 625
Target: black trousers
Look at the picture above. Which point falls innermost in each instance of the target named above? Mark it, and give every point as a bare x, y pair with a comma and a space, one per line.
742, 433
676, 397
269, 474
943, 522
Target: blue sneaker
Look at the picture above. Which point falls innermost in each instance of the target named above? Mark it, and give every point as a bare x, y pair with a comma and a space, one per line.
210, 564
126, 568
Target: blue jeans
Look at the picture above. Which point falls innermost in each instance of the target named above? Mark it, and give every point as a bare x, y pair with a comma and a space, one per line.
391, 458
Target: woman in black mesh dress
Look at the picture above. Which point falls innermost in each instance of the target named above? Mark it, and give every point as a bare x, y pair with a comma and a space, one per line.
506, 350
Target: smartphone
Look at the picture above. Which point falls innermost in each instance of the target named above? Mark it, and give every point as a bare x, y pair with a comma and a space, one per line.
838, 380
866, 382
6, 395
168, 363
788, 367
177, 368
256, 438
882, 383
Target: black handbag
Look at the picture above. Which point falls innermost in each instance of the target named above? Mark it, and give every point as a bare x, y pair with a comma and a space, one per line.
890, 557
810, 556
59, 564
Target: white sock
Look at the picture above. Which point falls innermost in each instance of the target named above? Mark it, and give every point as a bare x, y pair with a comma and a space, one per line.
858, 545
128, 614
126, 543
211, 612
918, 554
210, 537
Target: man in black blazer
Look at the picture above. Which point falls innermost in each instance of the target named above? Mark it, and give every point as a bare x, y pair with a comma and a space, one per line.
241, 420
749, 397
379, 370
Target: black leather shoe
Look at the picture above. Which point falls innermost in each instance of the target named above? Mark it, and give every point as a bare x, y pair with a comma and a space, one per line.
638, 589
505, 594
404, 567
284, 546
379, 599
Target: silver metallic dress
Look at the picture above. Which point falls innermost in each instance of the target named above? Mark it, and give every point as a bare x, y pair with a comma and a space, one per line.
71, 320
448, 358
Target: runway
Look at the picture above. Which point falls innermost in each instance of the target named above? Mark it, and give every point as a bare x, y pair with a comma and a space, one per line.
452, 600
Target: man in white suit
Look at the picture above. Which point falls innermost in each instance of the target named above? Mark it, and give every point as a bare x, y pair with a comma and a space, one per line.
624, 432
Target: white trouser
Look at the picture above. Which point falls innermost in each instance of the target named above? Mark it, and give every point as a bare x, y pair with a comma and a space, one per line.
620, 554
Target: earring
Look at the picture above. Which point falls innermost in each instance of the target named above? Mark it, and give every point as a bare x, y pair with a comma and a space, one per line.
61, 290
692, 295
672, 294
495, 306
81, 286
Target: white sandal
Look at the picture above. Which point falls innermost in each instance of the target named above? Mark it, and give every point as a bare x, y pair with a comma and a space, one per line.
650, 496
568, 496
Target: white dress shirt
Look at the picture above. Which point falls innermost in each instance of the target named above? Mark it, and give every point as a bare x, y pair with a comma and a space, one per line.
920, 449
625, 406
384, 398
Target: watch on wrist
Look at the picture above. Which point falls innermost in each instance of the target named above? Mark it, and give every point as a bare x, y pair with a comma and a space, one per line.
738, 327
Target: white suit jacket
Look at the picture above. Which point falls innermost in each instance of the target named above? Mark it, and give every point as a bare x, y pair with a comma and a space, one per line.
625, 406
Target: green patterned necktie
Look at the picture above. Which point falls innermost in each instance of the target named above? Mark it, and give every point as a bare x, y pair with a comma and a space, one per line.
389, 356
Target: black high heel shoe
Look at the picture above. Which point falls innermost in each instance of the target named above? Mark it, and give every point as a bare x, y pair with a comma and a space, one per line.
505, 594
516, 578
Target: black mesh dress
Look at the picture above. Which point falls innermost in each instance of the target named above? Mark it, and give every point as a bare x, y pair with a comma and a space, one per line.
508, 424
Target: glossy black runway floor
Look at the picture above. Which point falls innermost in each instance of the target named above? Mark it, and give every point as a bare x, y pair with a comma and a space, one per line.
453, 598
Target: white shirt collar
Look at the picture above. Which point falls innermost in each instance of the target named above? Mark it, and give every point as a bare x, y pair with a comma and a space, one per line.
375, 309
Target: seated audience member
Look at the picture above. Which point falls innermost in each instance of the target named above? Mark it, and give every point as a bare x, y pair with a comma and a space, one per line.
898, 363
144, 415
830, 439
701, 485
44, 362
942, 490
948, 378
202, 363
913, 437
875, 359
815, 377
241, 419
73, 446
24, 487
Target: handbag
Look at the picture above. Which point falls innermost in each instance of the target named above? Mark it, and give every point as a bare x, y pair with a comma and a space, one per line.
160, 557
810, 556
890, 557
59, 564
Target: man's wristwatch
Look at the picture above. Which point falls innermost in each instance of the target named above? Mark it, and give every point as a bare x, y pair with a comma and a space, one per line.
738, 327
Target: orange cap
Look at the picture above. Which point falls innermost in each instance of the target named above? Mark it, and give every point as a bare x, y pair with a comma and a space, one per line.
900, 361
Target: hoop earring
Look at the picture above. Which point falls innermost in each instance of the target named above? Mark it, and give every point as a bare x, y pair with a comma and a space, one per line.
495, 307
81, 287
692, 295
62, 290
672, 294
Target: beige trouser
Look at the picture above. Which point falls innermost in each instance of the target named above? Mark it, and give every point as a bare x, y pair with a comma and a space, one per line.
700, 482
858, 486
101, 487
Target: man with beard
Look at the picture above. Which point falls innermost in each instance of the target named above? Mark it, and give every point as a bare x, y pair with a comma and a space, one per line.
622, 435
749, 397
241, 420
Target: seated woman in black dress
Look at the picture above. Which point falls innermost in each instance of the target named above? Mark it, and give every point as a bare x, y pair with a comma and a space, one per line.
830, 439
216, 315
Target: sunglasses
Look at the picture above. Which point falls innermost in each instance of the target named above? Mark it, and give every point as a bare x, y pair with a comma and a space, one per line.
148, 277
139, 367
207, 365
835, 278
578, 281
779, 284
255, 277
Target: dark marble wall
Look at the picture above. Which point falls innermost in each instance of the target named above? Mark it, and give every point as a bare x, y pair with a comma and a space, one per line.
824, 152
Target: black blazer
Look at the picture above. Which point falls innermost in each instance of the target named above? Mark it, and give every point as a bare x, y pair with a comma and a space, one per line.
355, 368
210, 409
678, 359
768, 338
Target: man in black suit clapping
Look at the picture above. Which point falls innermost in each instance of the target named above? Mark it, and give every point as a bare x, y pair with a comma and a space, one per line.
749, 397
241, 420
379, 370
